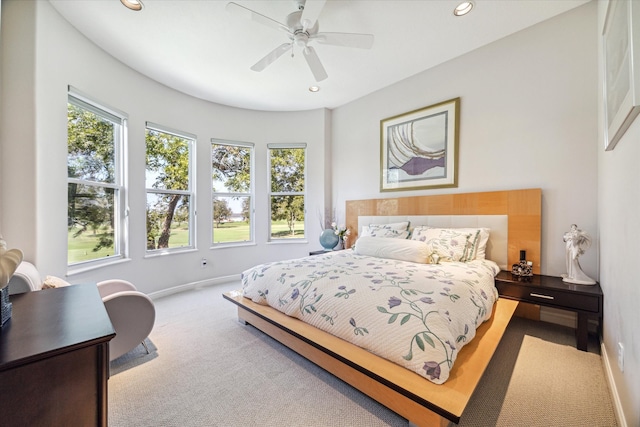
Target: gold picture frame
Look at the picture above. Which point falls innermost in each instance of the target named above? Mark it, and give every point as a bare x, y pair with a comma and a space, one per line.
621, 52
419, 149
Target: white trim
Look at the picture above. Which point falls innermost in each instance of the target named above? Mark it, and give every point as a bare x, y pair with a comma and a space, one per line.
286, 145
174, 132
120, 200
251, 194
270, 194
194, 285
191, 141
93, 103
86, 266
613, 390
232, 143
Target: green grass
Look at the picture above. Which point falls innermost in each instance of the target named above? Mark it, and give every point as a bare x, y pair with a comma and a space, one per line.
231, 232
81, 248
240, 231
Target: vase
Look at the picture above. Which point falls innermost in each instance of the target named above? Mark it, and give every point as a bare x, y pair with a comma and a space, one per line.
328, 239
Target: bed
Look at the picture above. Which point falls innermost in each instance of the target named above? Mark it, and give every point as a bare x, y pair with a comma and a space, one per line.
422, 394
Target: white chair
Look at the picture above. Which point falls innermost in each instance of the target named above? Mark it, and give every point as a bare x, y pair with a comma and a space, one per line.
26, 278
132, 315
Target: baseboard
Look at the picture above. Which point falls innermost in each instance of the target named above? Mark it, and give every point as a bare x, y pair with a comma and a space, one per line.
613, 391
559, 317
193, 285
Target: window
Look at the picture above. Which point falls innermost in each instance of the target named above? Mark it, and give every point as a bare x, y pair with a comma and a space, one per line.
169, 182
287, 188
232, 191
95, 194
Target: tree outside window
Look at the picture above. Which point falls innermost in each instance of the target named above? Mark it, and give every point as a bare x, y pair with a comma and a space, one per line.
232, 191
169, 184
287, 190
95, 195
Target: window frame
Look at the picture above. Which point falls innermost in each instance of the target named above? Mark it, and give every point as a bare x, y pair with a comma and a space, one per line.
270, 194
250, 194
190, 192
119, 186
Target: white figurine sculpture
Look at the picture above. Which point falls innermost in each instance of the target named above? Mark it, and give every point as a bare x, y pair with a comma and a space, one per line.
9, 261
577, 241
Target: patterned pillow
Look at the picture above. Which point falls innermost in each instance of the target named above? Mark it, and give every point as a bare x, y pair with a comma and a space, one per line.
398, 230
454, 244
51, 282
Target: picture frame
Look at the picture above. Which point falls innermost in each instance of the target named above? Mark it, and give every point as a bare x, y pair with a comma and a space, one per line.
419, 149
621, 82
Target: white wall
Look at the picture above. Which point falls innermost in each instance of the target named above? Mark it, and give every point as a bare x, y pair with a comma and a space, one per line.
619, 224
34, 148
528, 120
530, 117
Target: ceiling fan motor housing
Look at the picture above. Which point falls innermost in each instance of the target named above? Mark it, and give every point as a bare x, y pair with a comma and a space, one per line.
295, 25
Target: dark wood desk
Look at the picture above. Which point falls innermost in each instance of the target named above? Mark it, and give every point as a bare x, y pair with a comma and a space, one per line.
54, 359
550, 291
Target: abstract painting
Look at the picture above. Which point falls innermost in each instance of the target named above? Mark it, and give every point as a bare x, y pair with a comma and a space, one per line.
621, 55
419, 149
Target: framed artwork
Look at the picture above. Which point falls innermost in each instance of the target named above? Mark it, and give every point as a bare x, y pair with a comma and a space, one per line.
621, 52
419, 149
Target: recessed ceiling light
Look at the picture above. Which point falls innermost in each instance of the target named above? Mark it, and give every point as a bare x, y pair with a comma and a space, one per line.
463, 8
314, 89
132, 4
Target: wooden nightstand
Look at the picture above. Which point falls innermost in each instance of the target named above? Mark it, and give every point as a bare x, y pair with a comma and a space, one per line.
320, 252
54, 358
550, 291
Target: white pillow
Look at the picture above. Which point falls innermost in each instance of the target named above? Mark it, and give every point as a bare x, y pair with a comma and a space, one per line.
54, 282
454, 244
399, 249
396, 230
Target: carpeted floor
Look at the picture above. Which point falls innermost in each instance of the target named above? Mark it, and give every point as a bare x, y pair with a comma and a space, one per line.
207, 369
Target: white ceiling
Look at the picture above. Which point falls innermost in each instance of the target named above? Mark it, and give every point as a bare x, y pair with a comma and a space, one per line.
197, 47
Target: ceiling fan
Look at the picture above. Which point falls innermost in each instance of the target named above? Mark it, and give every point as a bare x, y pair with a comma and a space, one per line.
302, 29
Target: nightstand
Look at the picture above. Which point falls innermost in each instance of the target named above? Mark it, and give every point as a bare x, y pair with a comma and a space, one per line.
550, 291
320, 252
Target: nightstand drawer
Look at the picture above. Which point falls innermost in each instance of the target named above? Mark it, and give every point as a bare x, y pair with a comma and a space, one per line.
549, 297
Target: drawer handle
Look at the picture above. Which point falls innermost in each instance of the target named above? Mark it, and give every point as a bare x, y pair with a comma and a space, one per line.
541, 296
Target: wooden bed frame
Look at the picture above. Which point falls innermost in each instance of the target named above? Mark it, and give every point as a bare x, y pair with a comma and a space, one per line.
413, 397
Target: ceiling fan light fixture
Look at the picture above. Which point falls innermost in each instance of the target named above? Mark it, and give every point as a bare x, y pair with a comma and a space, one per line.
463, 8
132, 4
314, 89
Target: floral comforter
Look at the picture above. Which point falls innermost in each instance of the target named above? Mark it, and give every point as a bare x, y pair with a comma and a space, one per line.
416, 315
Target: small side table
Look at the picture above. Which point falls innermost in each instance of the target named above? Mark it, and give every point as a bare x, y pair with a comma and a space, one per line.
320, 252
550, 291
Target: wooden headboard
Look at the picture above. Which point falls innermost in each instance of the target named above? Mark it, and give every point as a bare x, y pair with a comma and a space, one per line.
523, 207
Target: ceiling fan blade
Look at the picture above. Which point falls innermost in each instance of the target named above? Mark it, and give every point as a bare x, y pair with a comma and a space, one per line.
360, 41
314, 64
310, 13
271, 57
239, 10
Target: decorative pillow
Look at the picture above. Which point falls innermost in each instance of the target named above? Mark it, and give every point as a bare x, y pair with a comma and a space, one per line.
399, 249
397, 230
454, 244
54, 282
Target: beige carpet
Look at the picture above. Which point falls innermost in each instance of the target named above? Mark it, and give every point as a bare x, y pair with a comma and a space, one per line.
543, 398
207, 369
